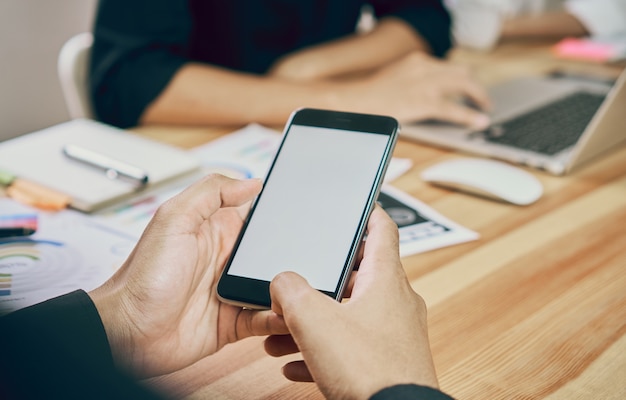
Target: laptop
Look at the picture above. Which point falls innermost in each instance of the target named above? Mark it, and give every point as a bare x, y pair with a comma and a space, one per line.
551, 123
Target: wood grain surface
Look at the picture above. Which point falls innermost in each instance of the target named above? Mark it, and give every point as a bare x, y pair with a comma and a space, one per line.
534, 309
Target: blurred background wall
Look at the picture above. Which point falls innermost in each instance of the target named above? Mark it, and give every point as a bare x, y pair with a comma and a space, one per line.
31, 35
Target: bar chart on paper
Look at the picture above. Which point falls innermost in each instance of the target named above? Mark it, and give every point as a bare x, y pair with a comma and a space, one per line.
5, 284
66, 253
28, 266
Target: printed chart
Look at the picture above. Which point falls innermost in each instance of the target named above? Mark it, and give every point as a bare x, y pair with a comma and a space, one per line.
30, 269
246, 153
420, 227
68, 252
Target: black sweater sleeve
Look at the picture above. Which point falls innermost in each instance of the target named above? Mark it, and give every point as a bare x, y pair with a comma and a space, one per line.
138, 46
58, 349
404, 392
428, 17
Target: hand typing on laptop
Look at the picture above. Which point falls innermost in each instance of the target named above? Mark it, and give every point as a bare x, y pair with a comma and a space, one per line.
553, 124
419, 87
219, 66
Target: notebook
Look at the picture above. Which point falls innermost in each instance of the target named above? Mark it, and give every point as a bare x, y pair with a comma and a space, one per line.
553, 124
39, 157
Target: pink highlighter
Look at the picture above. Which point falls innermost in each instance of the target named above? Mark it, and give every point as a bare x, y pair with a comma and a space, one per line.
17, 225
585, 49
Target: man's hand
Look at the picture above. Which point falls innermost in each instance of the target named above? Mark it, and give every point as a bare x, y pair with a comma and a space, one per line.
419, 87
376, 339
160, 310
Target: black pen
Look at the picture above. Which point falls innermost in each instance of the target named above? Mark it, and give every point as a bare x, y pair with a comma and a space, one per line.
112, 168
15, 231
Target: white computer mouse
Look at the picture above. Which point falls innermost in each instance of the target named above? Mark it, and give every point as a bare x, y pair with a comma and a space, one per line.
485, 177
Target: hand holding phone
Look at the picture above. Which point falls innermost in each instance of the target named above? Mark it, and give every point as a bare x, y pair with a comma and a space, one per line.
311, 215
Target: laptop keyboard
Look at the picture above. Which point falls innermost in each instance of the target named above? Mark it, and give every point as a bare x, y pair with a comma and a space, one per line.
548, 129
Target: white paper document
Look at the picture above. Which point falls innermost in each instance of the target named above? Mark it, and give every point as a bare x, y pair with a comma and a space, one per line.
421, 228
72, 250
247, 153
67, 252
40, 157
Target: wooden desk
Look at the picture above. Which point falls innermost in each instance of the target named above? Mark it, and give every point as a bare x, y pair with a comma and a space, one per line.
536, 308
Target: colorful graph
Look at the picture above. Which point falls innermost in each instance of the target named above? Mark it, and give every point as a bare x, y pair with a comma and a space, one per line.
34, 270
15, 255
68, 252
19, 220
5, 284
21, 258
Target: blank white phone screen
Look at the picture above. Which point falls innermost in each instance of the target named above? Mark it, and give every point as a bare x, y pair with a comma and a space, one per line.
307, 216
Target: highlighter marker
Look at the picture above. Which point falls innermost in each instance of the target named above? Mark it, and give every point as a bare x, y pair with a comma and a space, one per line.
6, 178
37, 196
15, 231
32, 194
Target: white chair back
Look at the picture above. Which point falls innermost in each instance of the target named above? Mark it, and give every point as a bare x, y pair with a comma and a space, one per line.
72, 68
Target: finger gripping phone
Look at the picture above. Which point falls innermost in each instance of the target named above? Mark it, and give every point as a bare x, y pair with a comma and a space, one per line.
312, 212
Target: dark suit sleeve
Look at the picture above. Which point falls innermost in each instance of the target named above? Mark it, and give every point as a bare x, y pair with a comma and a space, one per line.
428, 17
58, 349
403, 392
138, 46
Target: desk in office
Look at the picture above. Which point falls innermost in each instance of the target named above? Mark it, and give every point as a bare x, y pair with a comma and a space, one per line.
536, 308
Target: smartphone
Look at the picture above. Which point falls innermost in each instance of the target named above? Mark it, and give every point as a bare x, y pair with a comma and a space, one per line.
312, 213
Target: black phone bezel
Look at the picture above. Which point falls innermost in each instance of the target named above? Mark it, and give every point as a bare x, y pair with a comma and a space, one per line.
254, 293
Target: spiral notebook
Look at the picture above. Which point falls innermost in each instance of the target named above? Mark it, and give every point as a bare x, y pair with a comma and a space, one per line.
39, 157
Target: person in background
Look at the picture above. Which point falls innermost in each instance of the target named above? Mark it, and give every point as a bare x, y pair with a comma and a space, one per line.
481, 24
234, 62
160, 313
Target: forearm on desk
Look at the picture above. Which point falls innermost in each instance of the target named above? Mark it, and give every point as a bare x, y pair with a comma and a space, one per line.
391, 39
202, 94
552, 24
